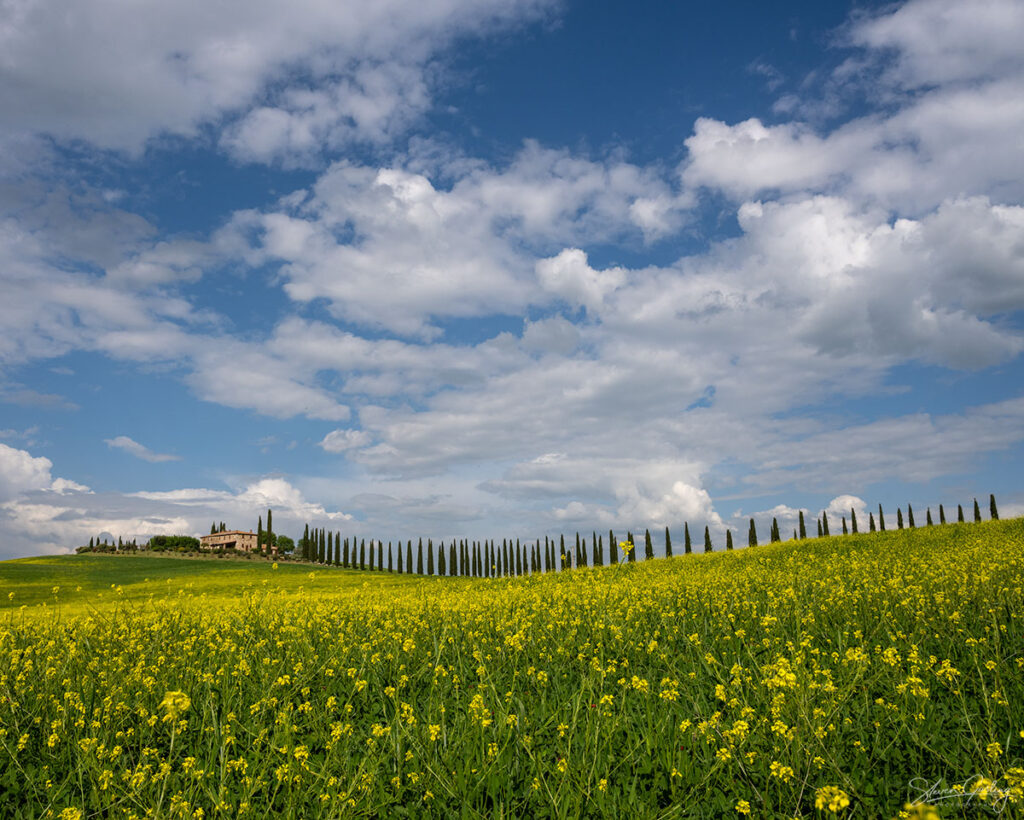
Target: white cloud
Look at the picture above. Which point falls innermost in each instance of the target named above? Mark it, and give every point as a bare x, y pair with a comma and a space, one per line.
569, 277
140, 451
192, 63
338, 441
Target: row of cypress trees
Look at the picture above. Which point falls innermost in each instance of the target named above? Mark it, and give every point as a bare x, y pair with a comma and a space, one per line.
485, 559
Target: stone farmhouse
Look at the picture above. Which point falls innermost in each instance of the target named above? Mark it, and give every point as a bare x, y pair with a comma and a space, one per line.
231, 540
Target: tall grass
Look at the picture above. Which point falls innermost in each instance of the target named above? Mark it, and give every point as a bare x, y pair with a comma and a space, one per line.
834, 676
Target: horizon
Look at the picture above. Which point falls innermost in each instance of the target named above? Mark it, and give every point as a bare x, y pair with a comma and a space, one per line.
452, 268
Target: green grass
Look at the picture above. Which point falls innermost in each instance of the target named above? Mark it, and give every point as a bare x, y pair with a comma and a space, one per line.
856, 668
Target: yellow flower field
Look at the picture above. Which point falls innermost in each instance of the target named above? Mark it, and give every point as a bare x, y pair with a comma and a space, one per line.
859, 676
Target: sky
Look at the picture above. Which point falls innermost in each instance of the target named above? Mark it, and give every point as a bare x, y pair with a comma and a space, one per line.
506, 268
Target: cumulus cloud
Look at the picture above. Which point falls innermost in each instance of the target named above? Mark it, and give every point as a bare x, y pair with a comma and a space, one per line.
140, 451
64, 74
338, 441
42, 514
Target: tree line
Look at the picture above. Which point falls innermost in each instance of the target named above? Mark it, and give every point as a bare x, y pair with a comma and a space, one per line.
486, 559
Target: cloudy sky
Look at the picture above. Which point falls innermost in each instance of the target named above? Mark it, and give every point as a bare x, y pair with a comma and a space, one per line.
491, 268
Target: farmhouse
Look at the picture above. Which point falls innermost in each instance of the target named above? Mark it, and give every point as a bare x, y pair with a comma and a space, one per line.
230, 540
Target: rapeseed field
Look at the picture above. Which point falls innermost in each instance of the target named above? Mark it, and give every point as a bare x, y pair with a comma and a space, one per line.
875, 675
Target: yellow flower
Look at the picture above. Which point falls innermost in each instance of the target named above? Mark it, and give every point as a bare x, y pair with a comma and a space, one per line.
602, 785
175, 704
743, 807
832, 798
70, 813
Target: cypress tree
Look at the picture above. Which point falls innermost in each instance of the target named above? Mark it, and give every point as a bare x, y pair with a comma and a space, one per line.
305, 543
853, 520
910, 516
993, 513
845, 531
442, 560
899, 518
408, 558
492, 564
632, 551
803, 529
323, 547
330, 548
881, 519
794, 534
345, 558
613, 549
774, 537
942, 514
824, 523
977, 511
362, 553
452, 562
91, 544
561, 550
928, 517
871, 522
687, 545
728, 539
819, 528
707, 539
504, 557
960, 513
270, 531
419, 557
668, 544
259, 535
391, 558
648, 546
372, 562
752, 534
380, 556
430, 557
596, 558
578, 562
400, 563
600, 550
517, 559
583, 553
213, 528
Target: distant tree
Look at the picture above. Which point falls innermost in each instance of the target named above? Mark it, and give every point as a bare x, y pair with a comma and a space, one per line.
408, 557
881, 519
942, 514
728, 539
346, 558
223, 527
871, 522
648, 546
323, 547
819, 528
803, 529
632, 552
270, 531
853, 520
774, 535
304, 543
330, 548
372, 563
668, 544
824, 523
910, 517
285, 544
899, 518
687, 544
91, 543
391, 558
442, 563
213, 528
993, 513
613, 549
380, 556
561, 550
400, 569
452, 566
362, 554
928, 517
430, 557
960, 513
259, 534
977, 511
707, 540
845, 531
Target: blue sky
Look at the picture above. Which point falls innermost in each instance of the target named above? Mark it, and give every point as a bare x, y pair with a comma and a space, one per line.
489, 269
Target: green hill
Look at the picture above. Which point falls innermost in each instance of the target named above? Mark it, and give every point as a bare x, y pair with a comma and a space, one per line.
843, 676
